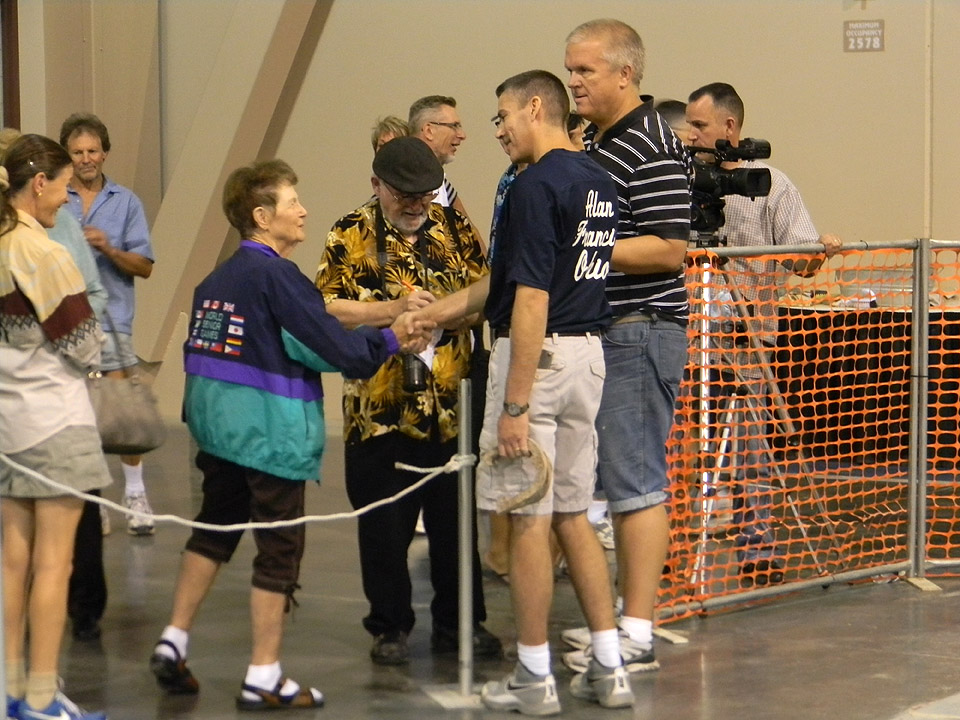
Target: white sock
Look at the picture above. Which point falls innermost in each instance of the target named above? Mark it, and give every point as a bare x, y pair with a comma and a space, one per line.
638, 629
133, 476
267, 677
596, 511
176, 637
606, 647
535, 658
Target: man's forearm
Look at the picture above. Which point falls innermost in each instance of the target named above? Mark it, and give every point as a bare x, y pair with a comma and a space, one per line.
455, 306
129, 262
645, 254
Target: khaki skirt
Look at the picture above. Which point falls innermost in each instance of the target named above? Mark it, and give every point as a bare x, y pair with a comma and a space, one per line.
71, 457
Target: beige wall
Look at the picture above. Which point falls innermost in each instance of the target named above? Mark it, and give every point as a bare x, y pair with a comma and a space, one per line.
847, 127
945, 150
100, 56
192, 88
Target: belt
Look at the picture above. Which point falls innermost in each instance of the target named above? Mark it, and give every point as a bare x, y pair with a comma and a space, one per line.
505, 333
635, 317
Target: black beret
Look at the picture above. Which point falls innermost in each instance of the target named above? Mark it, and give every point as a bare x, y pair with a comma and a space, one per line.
409, 165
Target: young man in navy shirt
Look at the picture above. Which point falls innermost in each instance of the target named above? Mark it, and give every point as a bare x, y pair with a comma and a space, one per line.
546, 304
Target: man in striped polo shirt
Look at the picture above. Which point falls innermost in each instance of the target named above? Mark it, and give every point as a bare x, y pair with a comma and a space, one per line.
646, 347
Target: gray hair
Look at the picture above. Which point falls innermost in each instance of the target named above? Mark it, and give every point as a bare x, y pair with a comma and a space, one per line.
622, 46
423, 109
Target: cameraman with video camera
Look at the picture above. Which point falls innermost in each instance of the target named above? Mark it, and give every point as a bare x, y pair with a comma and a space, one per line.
715, 113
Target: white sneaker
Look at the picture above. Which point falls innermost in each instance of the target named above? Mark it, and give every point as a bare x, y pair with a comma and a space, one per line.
637, 657
137, 525
522, 691
604, 530
608, 686
578, 637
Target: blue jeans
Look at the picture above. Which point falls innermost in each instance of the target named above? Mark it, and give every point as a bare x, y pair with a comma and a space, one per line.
645, 361
752, 488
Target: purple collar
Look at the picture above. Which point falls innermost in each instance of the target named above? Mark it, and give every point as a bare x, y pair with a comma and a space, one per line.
259, 247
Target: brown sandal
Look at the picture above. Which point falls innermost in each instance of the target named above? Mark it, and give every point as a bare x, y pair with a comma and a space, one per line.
276, 700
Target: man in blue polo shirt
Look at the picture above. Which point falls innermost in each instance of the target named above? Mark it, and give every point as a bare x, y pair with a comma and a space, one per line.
116, 228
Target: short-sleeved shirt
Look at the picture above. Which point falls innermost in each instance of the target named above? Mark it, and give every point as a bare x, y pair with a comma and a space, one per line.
119, 213
349, 270
503, 186
653, 174
556, 233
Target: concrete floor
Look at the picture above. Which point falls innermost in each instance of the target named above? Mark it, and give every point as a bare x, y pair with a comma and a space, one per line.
868, 651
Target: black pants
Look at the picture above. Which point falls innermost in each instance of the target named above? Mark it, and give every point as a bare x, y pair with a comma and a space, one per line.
385, 534
88, 584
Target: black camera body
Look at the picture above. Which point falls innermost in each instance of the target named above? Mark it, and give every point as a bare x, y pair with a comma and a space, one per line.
414, 373
711, 181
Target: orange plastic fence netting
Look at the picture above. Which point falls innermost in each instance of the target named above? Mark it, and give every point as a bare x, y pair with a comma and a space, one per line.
789, 453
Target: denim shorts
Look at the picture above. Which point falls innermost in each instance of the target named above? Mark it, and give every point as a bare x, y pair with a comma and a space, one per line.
645, 362
117, 358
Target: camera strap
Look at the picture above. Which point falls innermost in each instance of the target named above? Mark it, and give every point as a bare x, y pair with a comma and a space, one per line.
381, 232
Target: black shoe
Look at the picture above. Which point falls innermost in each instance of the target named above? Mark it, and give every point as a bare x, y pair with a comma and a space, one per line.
485, 643
390, 648
762, 572
86, 629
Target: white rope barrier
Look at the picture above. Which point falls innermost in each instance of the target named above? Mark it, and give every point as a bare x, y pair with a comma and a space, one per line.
453, 465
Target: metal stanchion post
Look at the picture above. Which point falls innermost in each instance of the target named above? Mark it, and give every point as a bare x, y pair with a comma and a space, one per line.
465, 508
462, 697
919, 379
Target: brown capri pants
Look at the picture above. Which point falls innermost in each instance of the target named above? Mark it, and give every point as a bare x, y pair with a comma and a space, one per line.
236, 494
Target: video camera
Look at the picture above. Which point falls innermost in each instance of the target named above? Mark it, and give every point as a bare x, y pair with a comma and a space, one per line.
711, 182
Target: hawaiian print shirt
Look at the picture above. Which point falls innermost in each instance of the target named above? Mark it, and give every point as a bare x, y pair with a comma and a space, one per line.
349, 270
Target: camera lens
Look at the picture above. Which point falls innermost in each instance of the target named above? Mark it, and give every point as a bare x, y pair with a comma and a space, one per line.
414, 374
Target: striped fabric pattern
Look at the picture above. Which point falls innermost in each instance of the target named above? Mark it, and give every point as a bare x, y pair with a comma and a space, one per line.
449, 191
652, 172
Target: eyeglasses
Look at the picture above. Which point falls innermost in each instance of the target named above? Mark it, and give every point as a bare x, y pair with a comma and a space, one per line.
455, 126
410, 198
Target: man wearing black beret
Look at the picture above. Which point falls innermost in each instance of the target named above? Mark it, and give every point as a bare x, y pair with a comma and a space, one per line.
395, 253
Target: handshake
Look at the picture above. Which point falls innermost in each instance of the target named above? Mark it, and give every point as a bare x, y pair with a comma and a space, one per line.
413, 332
418, 313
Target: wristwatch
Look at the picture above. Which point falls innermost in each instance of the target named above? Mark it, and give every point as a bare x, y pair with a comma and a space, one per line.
515, 410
